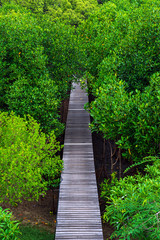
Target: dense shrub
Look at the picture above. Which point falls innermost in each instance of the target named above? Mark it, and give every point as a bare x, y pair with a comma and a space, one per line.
121, 43
28, 159
72, 12
131, 120
21, 50
41, 101
37, 60
98, 35
128, 33
9, 229
61, 47
23, 65
138, 52
134, 203
36, 6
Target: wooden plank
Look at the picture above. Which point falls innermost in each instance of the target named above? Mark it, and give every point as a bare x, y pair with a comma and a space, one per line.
78, 209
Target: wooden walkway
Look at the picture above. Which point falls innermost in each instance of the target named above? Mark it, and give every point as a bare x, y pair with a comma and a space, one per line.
78, 209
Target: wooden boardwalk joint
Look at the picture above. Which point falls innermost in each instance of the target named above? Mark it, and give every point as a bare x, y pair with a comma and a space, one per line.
78, 214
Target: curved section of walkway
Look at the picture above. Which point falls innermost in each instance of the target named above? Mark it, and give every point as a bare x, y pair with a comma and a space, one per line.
78, 209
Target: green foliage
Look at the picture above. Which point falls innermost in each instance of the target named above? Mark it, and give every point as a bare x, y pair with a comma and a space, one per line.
146, 160
22, 64
28, 159
134, 203
21, 50
41, 101
61, 47
138, 52
36, 6
98, 35
37, 60
131, 120
128, 33
9, 228
121, 43
72, 12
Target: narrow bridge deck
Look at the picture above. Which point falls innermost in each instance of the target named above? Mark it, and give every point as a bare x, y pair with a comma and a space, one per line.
78, 209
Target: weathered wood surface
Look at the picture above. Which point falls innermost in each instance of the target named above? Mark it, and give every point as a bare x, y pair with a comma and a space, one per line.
78, 209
